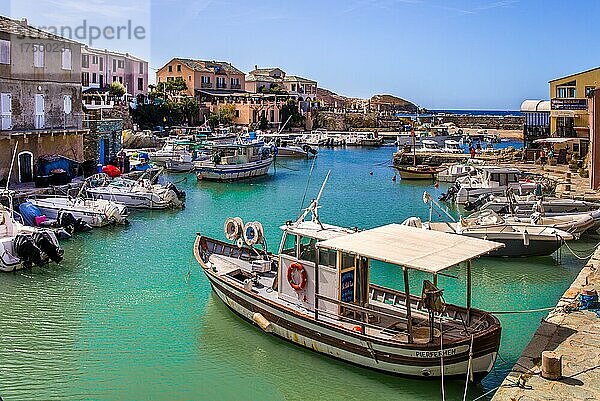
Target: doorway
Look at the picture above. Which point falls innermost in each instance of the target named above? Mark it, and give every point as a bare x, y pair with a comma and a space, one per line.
25, 166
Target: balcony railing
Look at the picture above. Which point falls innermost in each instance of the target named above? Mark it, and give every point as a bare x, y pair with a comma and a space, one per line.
221, 85
206, 85
566, 132
236, 86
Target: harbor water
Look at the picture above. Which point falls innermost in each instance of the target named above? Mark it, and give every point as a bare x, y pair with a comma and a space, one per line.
129, 315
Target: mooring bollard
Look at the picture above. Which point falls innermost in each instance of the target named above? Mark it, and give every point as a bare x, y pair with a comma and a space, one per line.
567, 181
551, 365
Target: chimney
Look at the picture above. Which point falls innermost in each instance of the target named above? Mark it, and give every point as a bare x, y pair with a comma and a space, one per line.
255, 67
24, 21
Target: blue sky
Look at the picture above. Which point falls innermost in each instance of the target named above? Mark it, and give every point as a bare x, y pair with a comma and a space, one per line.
485, 54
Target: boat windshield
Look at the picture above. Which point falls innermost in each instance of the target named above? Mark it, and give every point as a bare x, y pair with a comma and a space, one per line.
289, 245
308, 250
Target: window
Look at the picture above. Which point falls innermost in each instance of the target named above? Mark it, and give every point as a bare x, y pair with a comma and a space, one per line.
178, 67
327, 258
588, 90
114, 64
289, 245
272, 115
120, 80
189, 77
205, 80
169, 79
237, 113
235, 83
140, 84
39, 117
94, 59
141, 67
308, 249
67, 104
4, 51
120, 64
170, 68
38, 55
567, 90
85, 61
114, 78
101, 66
293, 87
94, 77
6, 111
221, 82
85, 79
66, 59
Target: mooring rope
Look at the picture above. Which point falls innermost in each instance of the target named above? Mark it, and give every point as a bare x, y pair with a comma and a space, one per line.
576, 255
469, 368
312, 166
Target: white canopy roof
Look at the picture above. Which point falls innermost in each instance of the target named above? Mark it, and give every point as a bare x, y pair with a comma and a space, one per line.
533, 106
415, 248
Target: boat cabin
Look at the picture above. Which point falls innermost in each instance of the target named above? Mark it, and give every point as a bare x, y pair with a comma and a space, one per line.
429, 145
336, 284
500, 176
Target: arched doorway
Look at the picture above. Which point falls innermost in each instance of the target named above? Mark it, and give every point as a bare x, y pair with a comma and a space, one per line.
25, 166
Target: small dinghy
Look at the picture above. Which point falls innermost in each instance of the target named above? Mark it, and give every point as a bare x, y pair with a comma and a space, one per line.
316, 293
142, 193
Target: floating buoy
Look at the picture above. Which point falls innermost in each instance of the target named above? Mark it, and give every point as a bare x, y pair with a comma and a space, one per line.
394, 178
525, 238
370, 173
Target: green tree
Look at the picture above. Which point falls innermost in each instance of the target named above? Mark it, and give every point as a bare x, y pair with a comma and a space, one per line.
264, 124
224, 115
168, 90
290, 109
116, 89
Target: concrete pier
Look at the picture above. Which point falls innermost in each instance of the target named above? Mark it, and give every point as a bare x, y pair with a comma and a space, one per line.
571, 334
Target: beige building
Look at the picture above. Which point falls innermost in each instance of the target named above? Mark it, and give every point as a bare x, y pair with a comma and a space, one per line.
203, 76
40, 98
263, 79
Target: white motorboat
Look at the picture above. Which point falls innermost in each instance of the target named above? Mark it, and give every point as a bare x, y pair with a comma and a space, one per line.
363, 139
454, 172
172, 149
452, 146
142, 193
23, 246
429, 146
182, 163
235, 161
525, 206
317, 294
488, 180
95, 212
576, 223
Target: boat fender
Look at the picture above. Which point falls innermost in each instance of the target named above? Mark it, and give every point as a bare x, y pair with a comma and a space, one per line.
240, 243
303, 276
525, 238
199, 176
262, 322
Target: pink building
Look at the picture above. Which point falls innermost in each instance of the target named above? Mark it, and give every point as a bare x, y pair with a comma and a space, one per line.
101, 67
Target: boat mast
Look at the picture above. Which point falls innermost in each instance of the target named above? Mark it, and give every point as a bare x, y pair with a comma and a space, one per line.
413, 137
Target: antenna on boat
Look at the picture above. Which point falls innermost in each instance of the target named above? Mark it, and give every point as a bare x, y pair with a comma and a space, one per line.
313, 208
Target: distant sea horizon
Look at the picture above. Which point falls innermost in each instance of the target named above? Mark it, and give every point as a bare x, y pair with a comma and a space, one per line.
461, 112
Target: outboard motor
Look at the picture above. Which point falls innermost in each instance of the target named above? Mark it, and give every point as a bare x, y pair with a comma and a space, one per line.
480, 201
181, 195
66, 219
48, 245
449, 195
28, 252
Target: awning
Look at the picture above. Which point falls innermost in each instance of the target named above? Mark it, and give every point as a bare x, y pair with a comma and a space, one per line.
554, 140
415, 248
535, 106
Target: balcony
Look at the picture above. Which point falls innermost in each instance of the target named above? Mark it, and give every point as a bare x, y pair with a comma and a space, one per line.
221, 85
206, 85
235, 86
566, 132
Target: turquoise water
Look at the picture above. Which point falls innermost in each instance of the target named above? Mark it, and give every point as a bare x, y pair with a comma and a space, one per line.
129, 316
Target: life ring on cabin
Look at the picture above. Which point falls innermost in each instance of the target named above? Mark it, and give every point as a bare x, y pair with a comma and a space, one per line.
303, 277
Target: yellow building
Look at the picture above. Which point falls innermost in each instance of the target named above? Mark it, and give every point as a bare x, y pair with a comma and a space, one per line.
569, 116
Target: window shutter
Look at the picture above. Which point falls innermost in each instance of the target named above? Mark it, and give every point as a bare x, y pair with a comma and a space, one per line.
68, 104
6, 110
4, 52
66, 59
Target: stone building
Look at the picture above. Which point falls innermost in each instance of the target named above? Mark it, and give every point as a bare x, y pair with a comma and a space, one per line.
40, 98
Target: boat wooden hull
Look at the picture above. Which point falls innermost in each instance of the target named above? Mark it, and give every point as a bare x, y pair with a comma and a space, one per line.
402, 361
416, 174
212, 172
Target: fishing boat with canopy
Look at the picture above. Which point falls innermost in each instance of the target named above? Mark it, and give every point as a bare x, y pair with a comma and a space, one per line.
316, 292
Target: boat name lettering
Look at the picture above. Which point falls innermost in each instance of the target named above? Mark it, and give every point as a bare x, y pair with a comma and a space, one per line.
435, 354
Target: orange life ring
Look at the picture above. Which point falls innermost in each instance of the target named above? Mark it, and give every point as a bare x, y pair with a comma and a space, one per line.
303, 277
